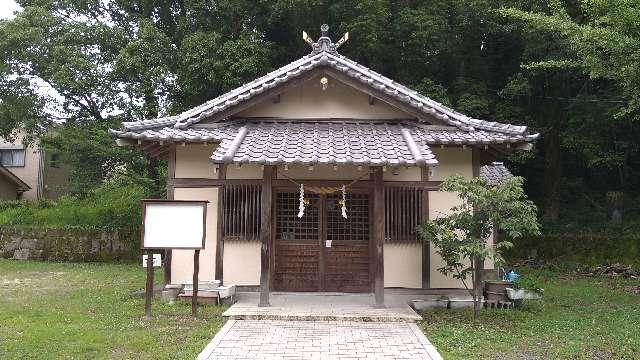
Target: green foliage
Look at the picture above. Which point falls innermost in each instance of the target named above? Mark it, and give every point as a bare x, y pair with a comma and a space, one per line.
460, 236
111, 206
93, 156
81, 310
529, 282
584, 248
580, 318
568, 70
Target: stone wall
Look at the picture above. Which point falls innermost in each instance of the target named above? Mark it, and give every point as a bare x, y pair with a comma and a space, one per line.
68, 244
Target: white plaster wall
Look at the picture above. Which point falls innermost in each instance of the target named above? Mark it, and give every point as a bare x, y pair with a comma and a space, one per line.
241, 265
324, 172
440, 204
308, 101
247, 171
192, 161
182, 260
452, 161
403, 265
413, 173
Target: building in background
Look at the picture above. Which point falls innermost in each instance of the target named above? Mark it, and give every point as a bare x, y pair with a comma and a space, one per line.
40, 175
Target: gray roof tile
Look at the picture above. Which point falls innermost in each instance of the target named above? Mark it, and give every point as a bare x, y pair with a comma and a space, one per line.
300, 142
494, 173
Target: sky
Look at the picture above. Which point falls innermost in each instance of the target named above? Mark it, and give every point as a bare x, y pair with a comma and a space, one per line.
7, 7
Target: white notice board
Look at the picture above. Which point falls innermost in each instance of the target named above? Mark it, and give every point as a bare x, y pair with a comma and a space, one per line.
173, 224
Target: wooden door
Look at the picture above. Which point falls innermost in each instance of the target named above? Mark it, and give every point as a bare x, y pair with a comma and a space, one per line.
297, 243
346, 262
304, 261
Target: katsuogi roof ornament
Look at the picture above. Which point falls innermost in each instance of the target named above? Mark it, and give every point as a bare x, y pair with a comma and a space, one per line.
324, 43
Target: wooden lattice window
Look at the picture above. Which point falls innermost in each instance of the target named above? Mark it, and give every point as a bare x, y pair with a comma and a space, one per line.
241, 212
289, 226
403, 213
356, 226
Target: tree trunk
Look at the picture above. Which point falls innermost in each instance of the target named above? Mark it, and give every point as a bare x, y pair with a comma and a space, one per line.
552, 173
154, 180
477, 287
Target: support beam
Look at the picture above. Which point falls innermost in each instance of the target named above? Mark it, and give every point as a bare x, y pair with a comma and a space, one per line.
378, 237
265, 234
222, 174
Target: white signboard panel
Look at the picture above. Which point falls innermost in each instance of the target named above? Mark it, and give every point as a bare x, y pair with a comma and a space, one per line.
157, 260
169, 224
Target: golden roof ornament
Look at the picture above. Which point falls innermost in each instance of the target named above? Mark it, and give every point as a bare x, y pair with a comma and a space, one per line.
324, 43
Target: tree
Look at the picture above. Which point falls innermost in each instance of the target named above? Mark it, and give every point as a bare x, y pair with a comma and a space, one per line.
460, 237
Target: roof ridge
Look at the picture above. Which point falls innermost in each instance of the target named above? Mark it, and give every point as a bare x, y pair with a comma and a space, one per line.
340, 63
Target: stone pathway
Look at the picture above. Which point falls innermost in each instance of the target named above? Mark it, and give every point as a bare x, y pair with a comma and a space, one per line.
281, 339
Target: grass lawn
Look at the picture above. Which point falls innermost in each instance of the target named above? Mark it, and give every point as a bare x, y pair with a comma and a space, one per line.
581, 318
84, 311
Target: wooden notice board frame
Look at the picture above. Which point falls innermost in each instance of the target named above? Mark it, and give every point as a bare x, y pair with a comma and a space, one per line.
146, 202
149, 250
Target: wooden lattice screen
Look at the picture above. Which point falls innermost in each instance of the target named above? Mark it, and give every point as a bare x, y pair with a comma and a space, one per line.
241, 212
291, 228
356, 226
403, 212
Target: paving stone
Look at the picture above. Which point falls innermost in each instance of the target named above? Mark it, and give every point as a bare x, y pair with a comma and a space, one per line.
341, 340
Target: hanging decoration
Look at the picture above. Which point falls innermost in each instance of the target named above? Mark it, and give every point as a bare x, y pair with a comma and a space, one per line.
344, 201
301, 206
324, 190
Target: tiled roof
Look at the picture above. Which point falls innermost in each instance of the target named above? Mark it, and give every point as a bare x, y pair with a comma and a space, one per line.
324, 143
168, 133
494, 173
326, 56
454, 136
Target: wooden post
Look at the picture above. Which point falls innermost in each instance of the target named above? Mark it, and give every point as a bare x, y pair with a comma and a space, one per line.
219, 275
196, 270
171, 174
265, 235
148, 293
426, 246
378, 236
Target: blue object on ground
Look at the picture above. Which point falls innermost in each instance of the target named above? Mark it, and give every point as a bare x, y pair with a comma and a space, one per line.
511, 276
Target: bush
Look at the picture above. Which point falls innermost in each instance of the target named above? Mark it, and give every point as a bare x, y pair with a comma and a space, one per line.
108, 207
585, 248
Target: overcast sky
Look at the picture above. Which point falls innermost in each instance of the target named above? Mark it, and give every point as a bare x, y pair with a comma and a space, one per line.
7, 7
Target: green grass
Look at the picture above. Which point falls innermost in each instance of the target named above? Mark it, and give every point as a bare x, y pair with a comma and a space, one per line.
84, 311
580, 318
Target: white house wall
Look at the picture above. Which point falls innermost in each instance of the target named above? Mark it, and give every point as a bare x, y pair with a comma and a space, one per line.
309, 101
241, 265
192, 161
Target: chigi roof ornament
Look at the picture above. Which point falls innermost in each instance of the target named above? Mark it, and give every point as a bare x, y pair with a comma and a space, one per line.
324, 43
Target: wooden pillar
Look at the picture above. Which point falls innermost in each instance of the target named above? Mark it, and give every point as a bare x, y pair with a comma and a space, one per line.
148, 293
378, 237
222, 174
265, 234
426, 246
171, 175
196, 283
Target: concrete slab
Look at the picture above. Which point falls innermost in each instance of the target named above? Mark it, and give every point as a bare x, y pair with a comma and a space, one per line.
321, 307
